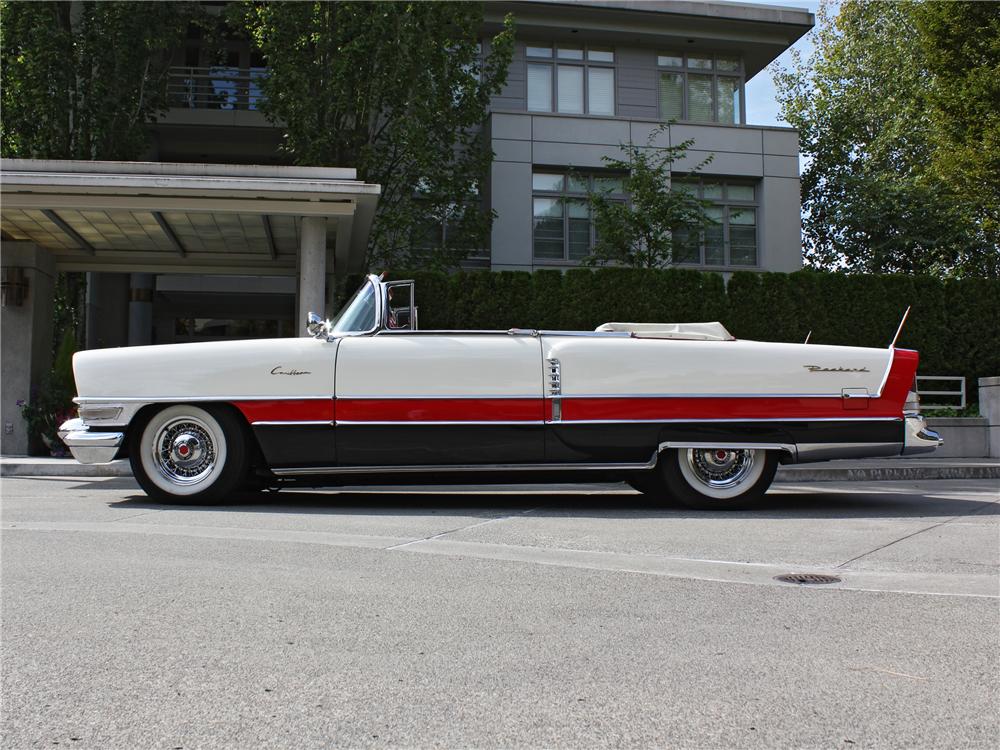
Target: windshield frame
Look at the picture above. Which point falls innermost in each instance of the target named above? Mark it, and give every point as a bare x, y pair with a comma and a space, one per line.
357, 299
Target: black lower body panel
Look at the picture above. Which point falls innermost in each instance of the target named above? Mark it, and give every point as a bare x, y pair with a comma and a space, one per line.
432, 445
558, 443
297, 445
636, 441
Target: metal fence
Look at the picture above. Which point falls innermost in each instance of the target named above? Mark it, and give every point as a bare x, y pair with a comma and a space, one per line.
215, 88
959, 393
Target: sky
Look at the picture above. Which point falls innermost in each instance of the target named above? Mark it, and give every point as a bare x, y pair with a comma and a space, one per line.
762, 106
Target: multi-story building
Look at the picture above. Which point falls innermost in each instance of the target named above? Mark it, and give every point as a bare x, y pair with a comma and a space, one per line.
180, 252
586, 77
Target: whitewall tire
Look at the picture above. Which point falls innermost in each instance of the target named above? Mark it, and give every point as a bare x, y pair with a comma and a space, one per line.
191, 453
718, 478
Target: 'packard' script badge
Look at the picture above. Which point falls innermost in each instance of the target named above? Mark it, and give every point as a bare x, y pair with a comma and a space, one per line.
817, 368
279, 371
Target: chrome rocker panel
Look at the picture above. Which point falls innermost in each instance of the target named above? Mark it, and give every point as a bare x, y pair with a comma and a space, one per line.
90, 447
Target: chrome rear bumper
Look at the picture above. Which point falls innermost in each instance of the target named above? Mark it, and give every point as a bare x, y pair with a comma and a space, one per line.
90, 447
917, 437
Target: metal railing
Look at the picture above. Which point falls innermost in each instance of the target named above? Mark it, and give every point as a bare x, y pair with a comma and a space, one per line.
218, 87
959, 394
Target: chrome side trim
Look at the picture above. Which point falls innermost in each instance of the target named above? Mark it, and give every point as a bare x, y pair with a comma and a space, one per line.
427, 423
439, 397
278, 423
456, 397
186, 399
305, 471
786, 447
588, 334
696, 420
701, 395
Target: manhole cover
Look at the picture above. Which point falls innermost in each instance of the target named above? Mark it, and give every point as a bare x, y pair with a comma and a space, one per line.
807, 578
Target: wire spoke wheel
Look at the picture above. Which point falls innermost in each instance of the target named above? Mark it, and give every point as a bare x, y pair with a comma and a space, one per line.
184, 451
719, 478
720, 468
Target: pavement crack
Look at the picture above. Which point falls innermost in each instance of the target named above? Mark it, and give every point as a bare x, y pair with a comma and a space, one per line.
464, 528
977, 511
136, 515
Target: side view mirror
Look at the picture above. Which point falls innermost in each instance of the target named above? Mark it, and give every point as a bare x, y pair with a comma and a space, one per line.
316, 326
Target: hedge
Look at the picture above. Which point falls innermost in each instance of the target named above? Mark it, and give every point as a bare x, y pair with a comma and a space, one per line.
955, 324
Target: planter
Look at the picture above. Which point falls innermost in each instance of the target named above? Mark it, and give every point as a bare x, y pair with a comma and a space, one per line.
55, 446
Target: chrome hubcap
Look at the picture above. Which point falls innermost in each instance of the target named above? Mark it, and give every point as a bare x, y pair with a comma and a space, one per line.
720, 468
183, 451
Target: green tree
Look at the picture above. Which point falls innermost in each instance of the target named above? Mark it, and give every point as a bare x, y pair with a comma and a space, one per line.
659, 223
872, 201
399, 91
961, 44
82, 80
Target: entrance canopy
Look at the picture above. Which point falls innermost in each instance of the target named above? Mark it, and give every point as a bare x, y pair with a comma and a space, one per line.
153, 217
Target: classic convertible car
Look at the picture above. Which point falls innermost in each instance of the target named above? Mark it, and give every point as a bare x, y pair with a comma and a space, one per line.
684, 410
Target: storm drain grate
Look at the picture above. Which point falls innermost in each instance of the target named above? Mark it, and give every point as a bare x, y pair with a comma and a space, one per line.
807, 579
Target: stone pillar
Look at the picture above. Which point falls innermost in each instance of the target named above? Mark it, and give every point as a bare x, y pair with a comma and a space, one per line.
140, 309
312, 270
989, 407
331, 284
26, 342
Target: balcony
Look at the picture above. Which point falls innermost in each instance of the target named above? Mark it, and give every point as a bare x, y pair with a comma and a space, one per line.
215, 88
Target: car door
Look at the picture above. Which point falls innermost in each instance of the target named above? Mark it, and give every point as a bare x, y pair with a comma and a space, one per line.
439, 399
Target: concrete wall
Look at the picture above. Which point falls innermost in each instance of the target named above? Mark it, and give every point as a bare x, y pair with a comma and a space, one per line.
26, 340
964, 437
764, 154
989, 407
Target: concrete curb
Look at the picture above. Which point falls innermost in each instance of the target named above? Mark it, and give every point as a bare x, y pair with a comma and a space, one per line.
837, 471
62, 467
814, 473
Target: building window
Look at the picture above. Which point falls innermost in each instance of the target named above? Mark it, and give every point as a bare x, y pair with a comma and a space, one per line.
563, 226
700, 88
571, 79
732, 239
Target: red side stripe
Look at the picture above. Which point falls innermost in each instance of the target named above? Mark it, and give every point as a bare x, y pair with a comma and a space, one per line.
440, 410
287, 410
693, 409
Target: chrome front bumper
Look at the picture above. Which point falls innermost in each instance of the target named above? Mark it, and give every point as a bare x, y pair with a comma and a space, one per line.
918, 438
90, 447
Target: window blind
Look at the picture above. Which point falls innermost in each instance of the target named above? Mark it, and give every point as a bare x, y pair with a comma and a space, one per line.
700, 98
671, 96
570, 89
601, 90
540, 88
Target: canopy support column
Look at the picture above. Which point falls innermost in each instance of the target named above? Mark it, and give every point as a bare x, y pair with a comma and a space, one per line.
312, 270
140, 309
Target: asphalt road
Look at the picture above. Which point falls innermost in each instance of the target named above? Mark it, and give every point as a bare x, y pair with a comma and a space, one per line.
499, 619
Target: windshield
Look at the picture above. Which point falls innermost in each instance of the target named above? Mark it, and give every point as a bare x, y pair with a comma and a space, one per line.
358, 315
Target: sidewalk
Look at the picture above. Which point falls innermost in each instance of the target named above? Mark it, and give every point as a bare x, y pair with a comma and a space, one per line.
865, 470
